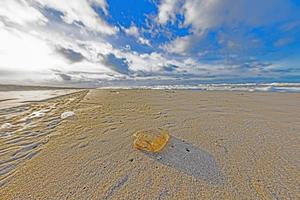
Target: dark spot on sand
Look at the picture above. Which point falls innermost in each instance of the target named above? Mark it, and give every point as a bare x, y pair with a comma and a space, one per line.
120, 183
82, 145
187, 150
163, 194
131, 160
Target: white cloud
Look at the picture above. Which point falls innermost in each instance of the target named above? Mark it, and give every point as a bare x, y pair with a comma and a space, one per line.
180, 45
134, 31
167, 11
20, 12
81, 11
205, 15
101, 3
38, 59
144, 41
20, 50
146, 62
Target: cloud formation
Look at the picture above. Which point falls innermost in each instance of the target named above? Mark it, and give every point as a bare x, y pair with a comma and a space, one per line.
84, 43
134, 31
203, 16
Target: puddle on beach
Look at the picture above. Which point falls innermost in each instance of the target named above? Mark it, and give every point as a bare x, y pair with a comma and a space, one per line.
25, 129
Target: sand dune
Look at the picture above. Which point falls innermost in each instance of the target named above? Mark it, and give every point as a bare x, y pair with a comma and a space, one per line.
224, 145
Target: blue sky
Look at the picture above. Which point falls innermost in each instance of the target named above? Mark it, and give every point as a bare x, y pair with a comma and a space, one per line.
144, 42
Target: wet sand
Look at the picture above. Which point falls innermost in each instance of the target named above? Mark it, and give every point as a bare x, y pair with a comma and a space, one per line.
16, 95
224, 145
16, 98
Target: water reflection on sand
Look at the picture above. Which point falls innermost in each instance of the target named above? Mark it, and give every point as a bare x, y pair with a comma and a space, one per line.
17, 98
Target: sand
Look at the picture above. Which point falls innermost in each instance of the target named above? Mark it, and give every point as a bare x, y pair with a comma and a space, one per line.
17, 95
223, 145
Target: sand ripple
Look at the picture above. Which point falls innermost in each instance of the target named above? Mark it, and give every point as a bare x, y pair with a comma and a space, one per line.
26, 129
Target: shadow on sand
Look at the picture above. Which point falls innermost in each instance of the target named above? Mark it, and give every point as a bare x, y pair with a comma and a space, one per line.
191, 160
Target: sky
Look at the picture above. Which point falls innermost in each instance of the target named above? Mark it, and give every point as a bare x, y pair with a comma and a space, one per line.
92, 43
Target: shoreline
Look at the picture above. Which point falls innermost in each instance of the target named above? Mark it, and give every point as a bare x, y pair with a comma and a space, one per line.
13, 87
292, 87
10, 99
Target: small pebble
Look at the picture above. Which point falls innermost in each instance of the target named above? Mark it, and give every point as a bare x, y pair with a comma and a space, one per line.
67, 114
38, 114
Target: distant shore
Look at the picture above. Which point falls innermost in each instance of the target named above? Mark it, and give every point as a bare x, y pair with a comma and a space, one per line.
11, 87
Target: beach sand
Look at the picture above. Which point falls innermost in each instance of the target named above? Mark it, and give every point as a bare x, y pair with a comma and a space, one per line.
223, 145
15, 95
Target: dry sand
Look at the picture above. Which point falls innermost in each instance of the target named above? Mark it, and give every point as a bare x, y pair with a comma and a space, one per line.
224, 145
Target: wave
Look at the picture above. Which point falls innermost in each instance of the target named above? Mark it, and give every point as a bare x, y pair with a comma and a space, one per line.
249, 87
